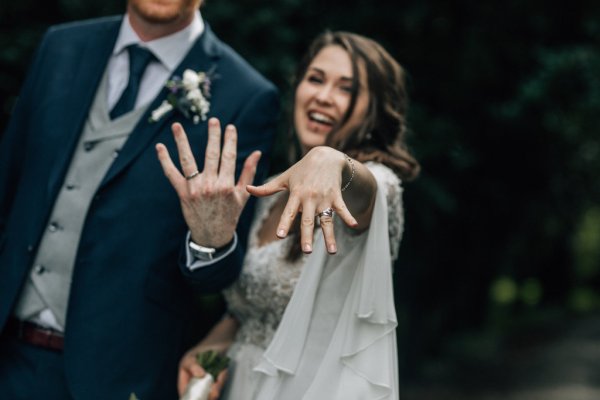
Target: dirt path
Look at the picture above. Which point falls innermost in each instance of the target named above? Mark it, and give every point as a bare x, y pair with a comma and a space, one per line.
560, 361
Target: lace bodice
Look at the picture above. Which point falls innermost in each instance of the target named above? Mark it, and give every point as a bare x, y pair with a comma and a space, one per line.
260, 295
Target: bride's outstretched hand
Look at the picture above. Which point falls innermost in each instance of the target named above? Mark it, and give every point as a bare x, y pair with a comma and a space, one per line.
314, 184
211, 201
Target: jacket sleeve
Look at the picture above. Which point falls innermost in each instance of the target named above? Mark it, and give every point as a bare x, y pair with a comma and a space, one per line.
14, 139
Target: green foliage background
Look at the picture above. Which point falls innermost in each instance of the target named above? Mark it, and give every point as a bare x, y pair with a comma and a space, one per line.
503, 226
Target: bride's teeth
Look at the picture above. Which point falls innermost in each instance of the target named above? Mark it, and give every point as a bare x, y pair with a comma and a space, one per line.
320, 118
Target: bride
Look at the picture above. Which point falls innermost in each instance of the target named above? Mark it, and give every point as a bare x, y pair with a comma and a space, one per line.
312, 316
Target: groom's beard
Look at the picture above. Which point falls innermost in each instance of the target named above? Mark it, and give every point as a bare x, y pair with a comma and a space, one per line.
164, 12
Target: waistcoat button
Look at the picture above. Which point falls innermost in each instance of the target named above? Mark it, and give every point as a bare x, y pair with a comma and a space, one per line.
39, 269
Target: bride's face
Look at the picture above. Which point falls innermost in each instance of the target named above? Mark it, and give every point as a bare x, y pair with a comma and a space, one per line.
323, 97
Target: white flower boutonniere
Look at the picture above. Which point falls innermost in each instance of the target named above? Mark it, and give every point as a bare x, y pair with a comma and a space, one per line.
189, 95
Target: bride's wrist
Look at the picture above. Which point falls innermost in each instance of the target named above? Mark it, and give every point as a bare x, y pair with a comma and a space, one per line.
348, 172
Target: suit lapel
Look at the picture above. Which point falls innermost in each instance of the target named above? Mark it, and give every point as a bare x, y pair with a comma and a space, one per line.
92, 64
202, 57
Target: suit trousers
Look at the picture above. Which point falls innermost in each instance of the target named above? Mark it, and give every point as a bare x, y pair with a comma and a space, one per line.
30, 373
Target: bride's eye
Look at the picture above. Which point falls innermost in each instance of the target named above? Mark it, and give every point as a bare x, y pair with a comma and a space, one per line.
314, 79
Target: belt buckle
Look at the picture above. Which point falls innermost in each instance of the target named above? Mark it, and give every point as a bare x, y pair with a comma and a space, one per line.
49, 332
39, 335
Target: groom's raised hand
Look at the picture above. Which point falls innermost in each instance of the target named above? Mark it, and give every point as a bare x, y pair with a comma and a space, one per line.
211, 201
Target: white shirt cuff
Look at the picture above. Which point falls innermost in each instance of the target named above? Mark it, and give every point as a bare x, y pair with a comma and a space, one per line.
193, 263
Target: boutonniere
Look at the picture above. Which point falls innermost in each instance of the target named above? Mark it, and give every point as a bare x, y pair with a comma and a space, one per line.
189, 95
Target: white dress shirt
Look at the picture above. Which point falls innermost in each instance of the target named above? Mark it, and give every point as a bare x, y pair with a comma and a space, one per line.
168, 50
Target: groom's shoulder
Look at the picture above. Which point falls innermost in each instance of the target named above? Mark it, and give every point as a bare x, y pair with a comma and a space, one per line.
234, 64
82, 29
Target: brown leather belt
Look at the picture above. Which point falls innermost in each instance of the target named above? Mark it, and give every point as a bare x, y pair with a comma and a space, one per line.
35, 335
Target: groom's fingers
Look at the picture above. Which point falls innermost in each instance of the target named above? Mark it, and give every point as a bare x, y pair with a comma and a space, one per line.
170, 170
213, 149
228, 156
186, 157
249, 170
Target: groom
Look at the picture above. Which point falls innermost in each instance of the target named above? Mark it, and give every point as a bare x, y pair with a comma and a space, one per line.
97, 269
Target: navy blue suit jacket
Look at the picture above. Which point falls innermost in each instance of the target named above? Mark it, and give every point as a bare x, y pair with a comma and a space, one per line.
130, 302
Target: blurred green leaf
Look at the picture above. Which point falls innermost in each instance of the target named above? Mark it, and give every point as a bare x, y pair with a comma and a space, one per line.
531, 292
584, 300
504, 290
587, 245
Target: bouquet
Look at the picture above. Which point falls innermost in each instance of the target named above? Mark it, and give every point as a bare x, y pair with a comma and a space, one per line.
213, 363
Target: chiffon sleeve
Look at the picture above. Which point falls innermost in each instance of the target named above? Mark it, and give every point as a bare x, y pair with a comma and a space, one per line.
337, 338
392, 190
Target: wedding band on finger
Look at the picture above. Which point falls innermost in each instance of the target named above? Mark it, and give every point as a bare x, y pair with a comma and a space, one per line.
328, 212
193, 175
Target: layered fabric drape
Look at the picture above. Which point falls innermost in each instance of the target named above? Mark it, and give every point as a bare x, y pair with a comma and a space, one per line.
337, 338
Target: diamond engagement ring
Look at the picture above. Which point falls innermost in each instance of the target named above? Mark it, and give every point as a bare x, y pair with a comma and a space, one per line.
328, 212
192, 175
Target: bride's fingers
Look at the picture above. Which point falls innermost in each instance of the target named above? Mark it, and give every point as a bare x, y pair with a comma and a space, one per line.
188, 369
186, 157
217, 387
342, 211
307, 226
196, 370
326, 223
269, 188
288, 216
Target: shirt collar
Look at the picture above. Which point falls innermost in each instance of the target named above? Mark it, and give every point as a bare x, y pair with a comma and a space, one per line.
169, 50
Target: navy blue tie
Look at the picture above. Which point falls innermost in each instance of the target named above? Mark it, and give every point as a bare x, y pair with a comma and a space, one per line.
139, 58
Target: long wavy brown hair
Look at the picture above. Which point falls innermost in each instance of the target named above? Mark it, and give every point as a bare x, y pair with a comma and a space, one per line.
382, 135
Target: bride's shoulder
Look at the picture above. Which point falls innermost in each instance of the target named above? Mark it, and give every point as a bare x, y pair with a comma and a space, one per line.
385, 178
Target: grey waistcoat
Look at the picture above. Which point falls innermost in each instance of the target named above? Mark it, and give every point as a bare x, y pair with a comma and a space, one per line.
49, 281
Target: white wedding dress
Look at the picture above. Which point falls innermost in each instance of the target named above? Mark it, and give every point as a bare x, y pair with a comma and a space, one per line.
337, 337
